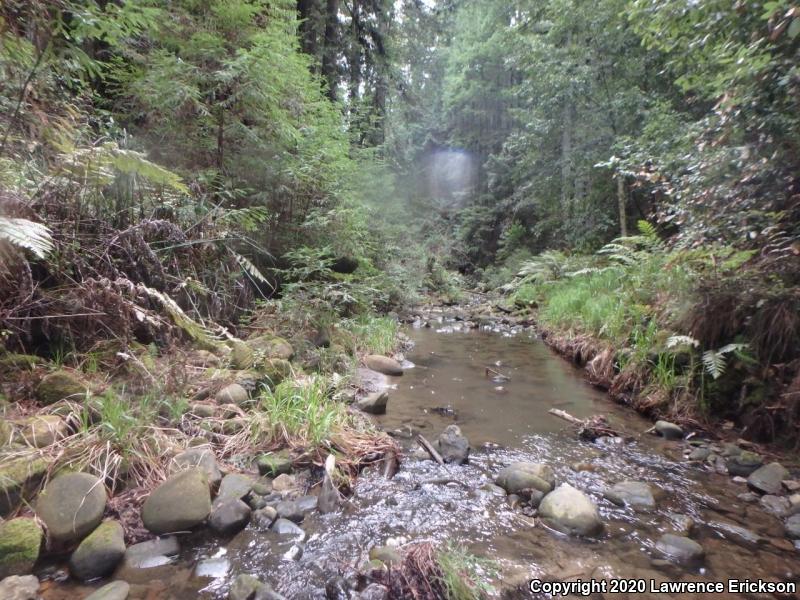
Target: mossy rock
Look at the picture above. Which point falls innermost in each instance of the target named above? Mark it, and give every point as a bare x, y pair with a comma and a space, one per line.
39, 431
19, 479
100, 553
60, 385
10, 362
274, 464
242, 356
71, 506
6, 432
275, 370
269, 346
180, 503
20, 542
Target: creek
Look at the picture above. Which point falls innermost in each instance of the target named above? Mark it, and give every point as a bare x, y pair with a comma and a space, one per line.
506, 419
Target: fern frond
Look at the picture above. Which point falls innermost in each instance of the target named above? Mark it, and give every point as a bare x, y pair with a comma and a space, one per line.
682, 340
714, 363
250, 269
27, 235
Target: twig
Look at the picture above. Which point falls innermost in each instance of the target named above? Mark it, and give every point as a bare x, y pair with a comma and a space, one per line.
496, 373
562, 414
430, 449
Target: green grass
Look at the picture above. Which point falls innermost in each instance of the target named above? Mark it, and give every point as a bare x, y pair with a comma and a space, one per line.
369, 334
465, 576
302, 411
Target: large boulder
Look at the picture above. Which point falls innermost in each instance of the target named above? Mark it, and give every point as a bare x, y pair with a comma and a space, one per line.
242, 356
635, 494
100, 553
20, 542
453, 446
19, 587
374, 404
570, 511
180, 503
39, 431
19, 480
679, 549
383, 364
269, 346
668, 430
116, 590
518, 477
60, 385
768, 479
203, 458
71, 506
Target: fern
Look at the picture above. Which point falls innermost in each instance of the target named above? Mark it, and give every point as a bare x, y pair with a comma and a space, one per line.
250, 269
682, 340
26, 235
548, 266
715, 361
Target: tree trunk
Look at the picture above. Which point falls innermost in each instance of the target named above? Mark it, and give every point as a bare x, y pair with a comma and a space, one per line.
331, 51
308, 34
622, 203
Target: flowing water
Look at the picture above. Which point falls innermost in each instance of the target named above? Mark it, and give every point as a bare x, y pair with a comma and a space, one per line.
504, 413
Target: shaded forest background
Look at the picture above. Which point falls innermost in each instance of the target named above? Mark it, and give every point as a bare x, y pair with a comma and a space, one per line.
625, 170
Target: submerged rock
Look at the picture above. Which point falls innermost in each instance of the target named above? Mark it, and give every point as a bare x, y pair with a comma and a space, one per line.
570, 511
635, 494
60, 385
668, 430
100, 553
775, 505
768, 479
453, 446
116, 590
679, 549
180, 503
743, 463
19, 587
737, 534
151, 553
71, 506
288, 528
247, 587
520, 476
383, 364
374, 404
20, 542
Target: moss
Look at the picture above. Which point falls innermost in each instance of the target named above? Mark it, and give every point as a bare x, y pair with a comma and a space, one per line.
242, 356
60, 385
18, 480
275, 370
267, 346
20, 542
10, 362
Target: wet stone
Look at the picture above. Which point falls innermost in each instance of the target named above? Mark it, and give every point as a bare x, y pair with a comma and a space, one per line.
699, 454
116, 590
374, 403
737, 534
263, 518
19, 587
668, 430
453, 446
234, 485
289, 509
151, 553
570, 511
768, 479
743, 463
682, 524
284, 527
775, 505
679, 549
793, 527
100, 553
71, 506
521, 476
229, 516
635, 494
307, 503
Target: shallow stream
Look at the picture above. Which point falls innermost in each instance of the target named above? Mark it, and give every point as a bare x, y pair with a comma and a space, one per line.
504, 413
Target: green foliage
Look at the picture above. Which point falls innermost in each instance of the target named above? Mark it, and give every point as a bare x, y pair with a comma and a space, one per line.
465, 576
368, 334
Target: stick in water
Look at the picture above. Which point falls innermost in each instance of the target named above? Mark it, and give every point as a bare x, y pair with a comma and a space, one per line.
430, 449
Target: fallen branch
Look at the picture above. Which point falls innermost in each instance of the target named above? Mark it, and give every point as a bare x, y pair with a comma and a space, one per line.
562, 414
490, 371
589, 429
430, 449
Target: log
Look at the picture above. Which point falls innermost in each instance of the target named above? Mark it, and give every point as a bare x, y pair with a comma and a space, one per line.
430, 449
562, 414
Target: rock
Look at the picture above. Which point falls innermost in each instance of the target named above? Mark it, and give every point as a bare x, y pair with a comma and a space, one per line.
748, 497
116, 590
768, 479
453, 446
180, 503
383, 364
792, 485
386, 554
60, 385
246, 587
202, 410
19, 480
288, 509
235, 485
267, 346
744, 463
736, 534
274, 370
374, 591
232, 394
793, 527
201, 457
775, 505
635, 494
229, 516
262, 486
263, 518
242, 356
307, 503
39, 431
520, 476
71, 506
151, 553
699, 454
100, 553
682, 524
16, 587
794, 504
570, 511
20, 542
668, 430
285, 527
374, 404
274, 464
283, 483
679, 549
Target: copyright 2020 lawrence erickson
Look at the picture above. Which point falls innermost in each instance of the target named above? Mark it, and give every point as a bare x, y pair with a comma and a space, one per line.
587, 587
